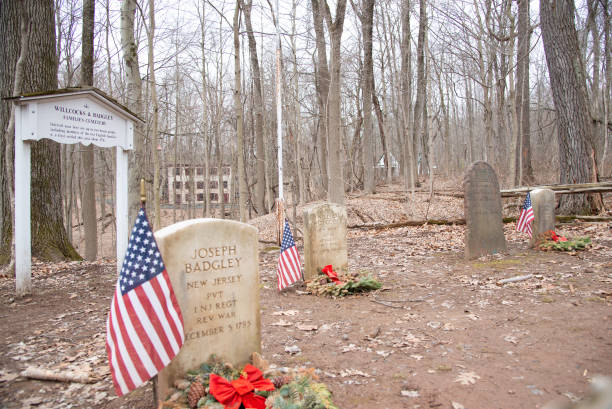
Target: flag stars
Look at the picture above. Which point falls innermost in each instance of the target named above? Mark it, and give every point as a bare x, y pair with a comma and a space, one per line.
142, 276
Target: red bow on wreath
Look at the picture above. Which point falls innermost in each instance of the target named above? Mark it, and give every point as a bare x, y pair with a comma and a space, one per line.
329, 271
240, 391
556, 238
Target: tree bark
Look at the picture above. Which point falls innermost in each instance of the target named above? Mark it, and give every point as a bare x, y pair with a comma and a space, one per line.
134, 102
367, 16
567, 80
522, 91
260, 190
239, 117
335, 188
322, 79
406, 100
88, 207
49, 238
421, 83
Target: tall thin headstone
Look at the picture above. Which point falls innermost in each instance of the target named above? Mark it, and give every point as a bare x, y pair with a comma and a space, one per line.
484, 233
324, 238
543, 203
214, 268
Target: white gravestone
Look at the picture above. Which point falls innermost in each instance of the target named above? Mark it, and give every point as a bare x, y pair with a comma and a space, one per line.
324, 238
214, 268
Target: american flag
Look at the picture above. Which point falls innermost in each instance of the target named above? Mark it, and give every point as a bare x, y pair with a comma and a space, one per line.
289, 266
526, 217
144, 330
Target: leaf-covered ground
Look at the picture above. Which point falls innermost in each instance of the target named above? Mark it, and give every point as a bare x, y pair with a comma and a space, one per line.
441, 333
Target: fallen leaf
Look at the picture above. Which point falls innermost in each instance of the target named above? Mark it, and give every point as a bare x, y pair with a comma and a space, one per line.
467, 378
288, 312
353, 372
306, 327
457, 405
281, 323
410, 393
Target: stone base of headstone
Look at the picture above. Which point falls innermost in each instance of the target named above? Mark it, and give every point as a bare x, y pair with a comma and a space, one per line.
543, 203
324, 238
214, 268
484, 233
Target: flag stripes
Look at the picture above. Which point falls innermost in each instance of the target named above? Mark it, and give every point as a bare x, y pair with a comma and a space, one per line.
144, 330
523, 223
289, 266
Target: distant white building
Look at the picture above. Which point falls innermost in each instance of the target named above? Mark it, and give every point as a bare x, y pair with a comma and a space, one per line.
180, 176
380, 167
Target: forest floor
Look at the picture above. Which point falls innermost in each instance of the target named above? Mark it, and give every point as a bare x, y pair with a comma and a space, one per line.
441, 333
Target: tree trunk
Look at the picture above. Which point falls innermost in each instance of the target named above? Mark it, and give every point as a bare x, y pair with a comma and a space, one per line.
88, 201
406, 99
260, 191
367, 17
567, 81
239, 119
322, 79
421, 83
134, 102
522, 91
335, 188
155, 119
49, 239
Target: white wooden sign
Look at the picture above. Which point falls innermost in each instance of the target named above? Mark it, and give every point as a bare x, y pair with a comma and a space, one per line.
83, 116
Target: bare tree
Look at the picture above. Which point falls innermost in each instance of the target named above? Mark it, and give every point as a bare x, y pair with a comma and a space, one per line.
567, 81
88, 207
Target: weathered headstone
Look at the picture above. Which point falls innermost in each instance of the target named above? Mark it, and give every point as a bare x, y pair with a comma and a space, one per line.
543, 203
484, 233
324, 238
214, 268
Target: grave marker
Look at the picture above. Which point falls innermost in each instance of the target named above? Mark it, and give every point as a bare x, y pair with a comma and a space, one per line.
543, 203
324, 238
484, 232
214, 268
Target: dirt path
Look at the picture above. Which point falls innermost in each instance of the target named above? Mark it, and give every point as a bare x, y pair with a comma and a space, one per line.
440, 331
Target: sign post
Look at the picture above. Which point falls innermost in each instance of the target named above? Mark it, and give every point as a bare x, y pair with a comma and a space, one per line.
76, 115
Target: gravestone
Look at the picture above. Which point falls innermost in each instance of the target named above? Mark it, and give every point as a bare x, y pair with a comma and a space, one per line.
324, 238
214, 268
543, 203
484, 233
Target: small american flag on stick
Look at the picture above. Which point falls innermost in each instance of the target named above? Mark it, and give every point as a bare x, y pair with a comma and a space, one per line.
526, 217
289, 266
144, 330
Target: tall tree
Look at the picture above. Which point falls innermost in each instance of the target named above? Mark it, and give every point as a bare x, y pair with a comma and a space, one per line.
155, 119
421, 98
239, 116
522, 93
406, 99
134, 100
49, 238
366, 16
260, 189
567, 81
335, 187
322, 79
87, 154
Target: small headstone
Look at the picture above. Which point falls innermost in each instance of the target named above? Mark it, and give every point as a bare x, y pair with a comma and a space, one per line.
543, 203
484, 233
324, 238
214, 268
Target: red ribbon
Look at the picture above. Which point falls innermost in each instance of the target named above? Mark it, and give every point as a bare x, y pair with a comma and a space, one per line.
329, 271
556, 238
240, 391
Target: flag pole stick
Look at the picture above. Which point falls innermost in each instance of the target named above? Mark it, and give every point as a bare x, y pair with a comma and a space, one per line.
143, 194
279, 128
